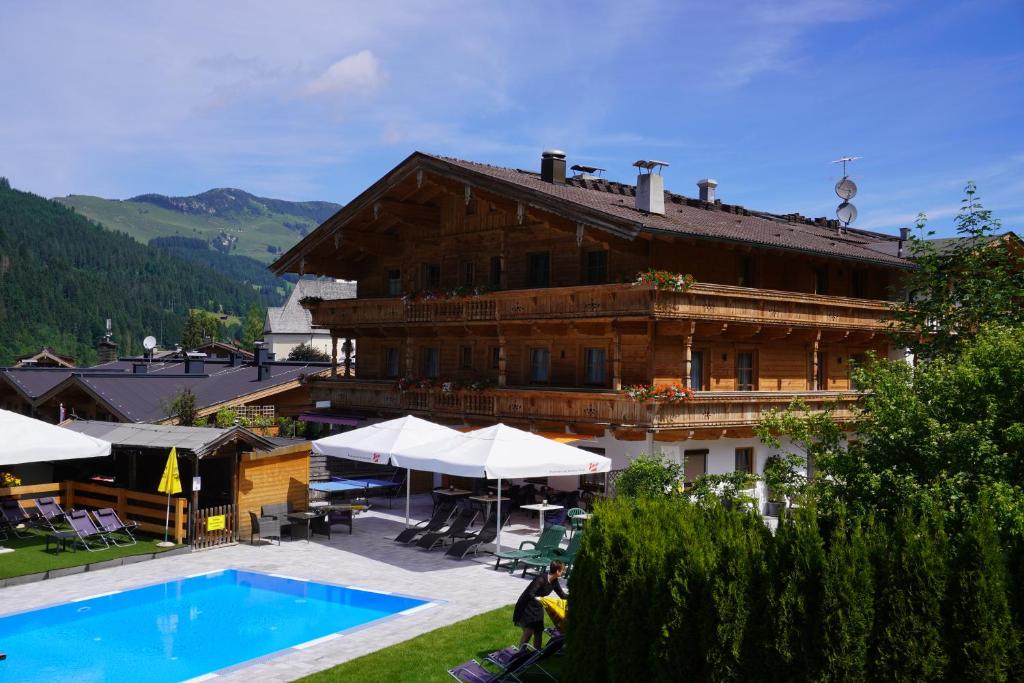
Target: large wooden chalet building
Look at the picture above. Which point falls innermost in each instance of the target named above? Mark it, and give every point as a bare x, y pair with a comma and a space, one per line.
490, 294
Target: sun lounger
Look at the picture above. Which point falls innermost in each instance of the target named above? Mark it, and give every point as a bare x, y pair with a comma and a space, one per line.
568, 556
114, 530
487, 534
88, 535
512, 663
548, 541
50, 512
13, 518
436, 522
454, 532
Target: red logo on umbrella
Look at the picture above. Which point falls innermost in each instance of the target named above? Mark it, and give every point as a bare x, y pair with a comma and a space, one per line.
376, 457
592, 467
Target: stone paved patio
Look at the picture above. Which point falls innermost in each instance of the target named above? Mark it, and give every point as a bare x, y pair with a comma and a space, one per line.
366, 559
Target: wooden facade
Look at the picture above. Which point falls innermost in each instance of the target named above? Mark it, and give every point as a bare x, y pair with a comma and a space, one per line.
465, 284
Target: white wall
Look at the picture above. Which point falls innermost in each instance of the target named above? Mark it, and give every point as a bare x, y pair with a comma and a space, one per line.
721, 458
282, 344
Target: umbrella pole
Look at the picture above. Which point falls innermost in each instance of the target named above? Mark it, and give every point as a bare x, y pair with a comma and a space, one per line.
497, 520
167, 517
407, 483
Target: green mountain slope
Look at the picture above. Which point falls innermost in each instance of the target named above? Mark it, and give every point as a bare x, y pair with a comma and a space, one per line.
231, 221
61, 276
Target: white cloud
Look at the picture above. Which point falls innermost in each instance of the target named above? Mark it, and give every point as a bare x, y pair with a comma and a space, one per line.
359, 73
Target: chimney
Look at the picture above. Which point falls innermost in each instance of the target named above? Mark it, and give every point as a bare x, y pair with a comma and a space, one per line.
106, 348
195, 363
263, 372
261, 355
904, 236
707, 189
138, 368
234, 359
552, 166
650, 186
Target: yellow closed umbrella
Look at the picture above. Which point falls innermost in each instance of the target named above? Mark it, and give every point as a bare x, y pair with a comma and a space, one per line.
170, 483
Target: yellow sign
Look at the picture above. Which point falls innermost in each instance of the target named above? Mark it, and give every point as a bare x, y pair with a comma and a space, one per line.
216, 522
171, 481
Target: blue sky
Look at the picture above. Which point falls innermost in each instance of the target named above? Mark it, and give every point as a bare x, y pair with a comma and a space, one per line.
316, 100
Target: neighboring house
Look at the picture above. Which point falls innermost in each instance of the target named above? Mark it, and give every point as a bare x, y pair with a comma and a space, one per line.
140, 390
45, 358
522, 288
290, 325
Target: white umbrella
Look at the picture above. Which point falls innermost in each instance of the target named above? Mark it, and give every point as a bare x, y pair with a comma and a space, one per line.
500, 452
375, 443
24, 439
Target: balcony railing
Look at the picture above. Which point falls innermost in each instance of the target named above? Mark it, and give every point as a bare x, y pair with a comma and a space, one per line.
708, 409
701, 302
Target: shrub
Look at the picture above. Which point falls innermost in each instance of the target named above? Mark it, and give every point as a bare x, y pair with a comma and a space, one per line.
648, 476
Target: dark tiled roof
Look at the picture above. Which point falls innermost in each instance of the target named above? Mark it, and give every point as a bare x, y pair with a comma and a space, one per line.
140, 398
34, 382
692, 217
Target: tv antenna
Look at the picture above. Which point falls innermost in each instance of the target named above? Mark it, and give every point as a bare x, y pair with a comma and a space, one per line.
846, 190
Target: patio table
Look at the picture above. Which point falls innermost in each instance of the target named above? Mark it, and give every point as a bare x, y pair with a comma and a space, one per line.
60, 540
300, 522
488, 501
542, 508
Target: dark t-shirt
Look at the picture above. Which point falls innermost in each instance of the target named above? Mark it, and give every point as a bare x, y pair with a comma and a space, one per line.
528, 611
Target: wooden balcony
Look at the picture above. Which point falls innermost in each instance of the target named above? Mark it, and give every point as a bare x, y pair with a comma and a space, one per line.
720, 303
707, 410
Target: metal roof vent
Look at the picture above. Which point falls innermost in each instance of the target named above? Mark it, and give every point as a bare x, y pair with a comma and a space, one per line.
195, 363
552, 166
650, 186
587, 172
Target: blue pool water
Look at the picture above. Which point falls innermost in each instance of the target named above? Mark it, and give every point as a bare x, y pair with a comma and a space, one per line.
181, 629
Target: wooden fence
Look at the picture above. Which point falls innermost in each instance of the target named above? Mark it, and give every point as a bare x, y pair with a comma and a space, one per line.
147, 509
214, 526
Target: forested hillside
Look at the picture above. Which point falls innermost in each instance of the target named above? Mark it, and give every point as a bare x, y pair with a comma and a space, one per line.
61, 276
230, 221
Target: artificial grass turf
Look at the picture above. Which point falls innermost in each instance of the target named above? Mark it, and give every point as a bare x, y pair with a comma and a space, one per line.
29, 556
429, 656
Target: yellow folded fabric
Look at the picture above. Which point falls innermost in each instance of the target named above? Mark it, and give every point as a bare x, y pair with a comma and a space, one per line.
557, 609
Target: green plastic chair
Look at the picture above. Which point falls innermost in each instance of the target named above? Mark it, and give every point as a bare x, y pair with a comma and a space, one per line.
549, 540
576, 524
568, 556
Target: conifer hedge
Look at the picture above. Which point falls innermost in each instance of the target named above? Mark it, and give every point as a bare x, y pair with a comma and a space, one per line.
664, 590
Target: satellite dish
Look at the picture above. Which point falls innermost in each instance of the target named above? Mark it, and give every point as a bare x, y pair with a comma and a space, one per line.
846, 212
846, 189
149, 343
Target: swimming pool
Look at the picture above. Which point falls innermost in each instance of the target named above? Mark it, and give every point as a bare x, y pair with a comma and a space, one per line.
185, 628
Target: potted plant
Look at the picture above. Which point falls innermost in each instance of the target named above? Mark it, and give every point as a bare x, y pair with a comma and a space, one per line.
785, 479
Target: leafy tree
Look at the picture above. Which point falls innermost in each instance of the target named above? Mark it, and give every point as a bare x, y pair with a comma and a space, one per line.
307, 352
648, 477
810, 437
252, 329
182, 406
200, 327
961, 284
920, 439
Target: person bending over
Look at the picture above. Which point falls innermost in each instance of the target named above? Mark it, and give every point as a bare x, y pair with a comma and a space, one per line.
528, 614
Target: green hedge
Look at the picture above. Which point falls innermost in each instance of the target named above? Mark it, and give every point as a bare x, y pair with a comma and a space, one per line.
664, 590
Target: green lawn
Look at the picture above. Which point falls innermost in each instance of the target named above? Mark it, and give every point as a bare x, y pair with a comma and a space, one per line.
429, 656
30, 558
